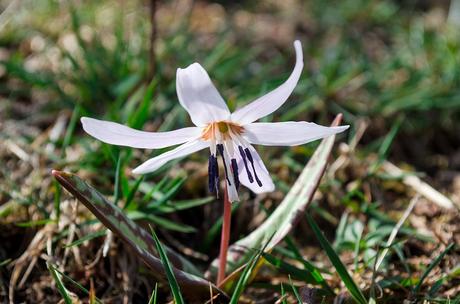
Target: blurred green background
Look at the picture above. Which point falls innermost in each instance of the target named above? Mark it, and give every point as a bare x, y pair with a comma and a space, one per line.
391, 67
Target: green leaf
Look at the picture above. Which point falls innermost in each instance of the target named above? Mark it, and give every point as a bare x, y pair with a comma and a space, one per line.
175, 289
296, 293
34, 223
153, 297
290, 269
247, 273
310, 267
352, 287
88, 237
160, 221
432, 265
183, 205
132, 192
57, 279
78, 285
281, 221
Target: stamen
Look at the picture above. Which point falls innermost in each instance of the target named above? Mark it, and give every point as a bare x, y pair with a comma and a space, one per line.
235, 173
213, 174
251, 179
216, 173
211, 171
220, 148
251, 160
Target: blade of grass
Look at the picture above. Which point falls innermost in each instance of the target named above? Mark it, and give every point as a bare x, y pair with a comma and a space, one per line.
296, 293
132, 192
57, 279
116, 187
290, 269
88, 237
395, 230
352, 287
78, 285
71, 128
153, 297
175, 289
309, 267
183, 205
247, 273
283, 294
432, 265
244, 278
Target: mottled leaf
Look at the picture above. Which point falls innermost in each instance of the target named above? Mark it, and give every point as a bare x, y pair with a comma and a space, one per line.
194, 287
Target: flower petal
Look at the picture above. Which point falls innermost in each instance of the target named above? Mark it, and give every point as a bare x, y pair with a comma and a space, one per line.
266, 183
290, 133
158, 161
117, 134
270, 102
199, 96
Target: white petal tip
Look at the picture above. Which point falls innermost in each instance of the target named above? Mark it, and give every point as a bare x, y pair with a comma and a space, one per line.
341, 128
298, 52
84, 120
138, 170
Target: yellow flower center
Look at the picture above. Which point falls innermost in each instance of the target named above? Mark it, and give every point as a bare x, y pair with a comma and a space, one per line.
223, 127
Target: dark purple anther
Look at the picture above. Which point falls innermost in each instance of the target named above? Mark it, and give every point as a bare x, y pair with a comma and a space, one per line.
220, 148
211, 173
235, 173
251, 179
251, 160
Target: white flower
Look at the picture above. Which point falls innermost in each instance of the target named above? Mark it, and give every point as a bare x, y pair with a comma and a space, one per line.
230, 135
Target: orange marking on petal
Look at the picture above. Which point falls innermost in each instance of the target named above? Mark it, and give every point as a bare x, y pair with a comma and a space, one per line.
223, 127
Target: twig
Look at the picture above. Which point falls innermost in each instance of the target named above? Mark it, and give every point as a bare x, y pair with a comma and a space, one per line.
395, 230
418, 185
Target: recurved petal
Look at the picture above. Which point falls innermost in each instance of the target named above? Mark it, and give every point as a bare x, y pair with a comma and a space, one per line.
181, 151
199, 96
117, 134
270, 102
290, 133
260, 184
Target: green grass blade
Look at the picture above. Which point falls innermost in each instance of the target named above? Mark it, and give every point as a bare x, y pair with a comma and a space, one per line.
88, 237
71, 127
183, 205
352, 287
296, 293
310, 267
290, 269
175, 289
432, 265
245, 277
116, 187
60, 285
154, 296
78, 285
132, 192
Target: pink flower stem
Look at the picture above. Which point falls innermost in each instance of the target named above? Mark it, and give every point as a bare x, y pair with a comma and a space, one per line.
225, 237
